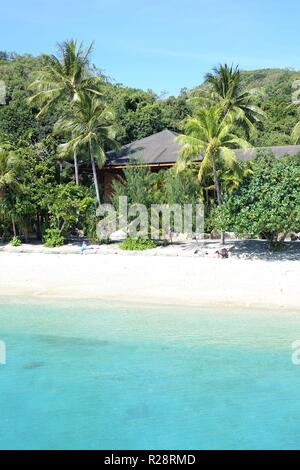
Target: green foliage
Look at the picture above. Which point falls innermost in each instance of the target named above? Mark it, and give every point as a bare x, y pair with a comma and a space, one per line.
212, 134
274, 97
11, 188
68, 206
90, 126
142, 186
65, 77
15, 241
52, 238
138, 244
17, 118
228, 91
276, 101
39, 175
141, 113
266, 203
17, 122
36, 189
69, 78
137, 185
146, 120
133, 121
10, 166
180, 188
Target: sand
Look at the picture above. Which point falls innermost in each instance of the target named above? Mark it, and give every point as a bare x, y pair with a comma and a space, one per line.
173, 280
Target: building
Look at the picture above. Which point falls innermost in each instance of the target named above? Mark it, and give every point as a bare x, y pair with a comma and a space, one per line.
159, 151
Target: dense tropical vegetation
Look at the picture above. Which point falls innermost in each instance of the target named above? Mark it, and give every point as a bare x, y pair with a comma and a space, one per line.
267, 203
62, 115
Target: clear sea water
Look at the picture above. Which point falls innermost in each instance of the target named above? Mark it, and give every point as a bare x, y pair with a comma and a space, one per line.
92, 376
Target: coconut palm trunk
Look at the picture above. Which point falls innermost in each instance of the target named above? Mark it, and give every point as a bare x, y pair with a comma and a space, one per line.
218, 191
216, 180
210, 134
94, 173
14, 226
76, 167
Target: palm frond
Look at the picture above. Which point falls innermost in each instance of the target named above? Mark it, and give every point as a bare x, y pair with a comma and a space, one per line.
296, 134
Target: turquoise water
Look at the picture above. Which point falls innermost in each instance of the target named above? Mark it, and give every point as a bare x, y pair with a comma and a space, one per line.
97, 377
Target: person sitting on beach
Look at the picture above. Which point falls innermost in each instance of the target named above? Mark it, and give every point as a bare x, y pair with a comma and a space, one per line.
84, 248
223, 253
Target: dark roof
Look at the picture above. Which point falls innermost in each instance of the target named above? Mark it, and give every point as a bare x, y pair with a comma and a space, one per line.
160, 148
156, 149
280, 151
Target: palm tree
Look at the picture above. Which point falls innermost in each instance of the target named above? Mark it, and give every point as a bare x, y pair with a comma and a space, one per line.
209, 135
66, 76
296, 134
91, 127
226, 89
231, 178
10, 185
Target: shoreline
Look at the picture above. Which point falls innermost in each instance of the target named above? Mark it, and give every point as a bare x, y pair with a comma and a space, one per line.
126, 303
152, 280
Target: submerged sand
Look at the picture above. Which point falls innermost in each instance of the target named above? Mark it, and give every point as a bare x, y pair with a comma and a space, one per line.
186, 280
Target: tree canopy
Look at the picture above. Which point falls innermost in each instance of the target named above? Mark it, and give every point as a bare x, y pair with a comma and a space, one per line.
267, 202
62, 104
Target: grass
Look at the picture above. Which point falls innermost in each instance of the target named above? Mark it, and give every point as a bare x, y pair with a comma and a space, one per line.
138, 244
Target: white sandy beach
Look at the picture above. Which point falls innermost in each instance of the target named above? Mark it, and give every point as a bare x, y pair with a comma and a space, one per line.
152, 279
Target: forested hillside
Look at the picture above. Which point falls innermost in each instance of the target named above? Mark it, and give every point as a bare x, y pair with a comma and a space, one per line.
141, 113
276, 86
61, 115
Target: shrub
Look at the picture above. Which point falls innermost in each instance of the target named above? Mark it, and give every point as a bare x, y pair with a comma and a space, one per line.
53, 238
69, 207
15, 241
142, 186
137, 186
266, 204
138, 244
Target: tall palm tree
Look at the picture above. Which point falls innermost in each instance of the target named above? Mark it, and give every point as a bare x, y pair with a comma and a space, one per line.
209, 136
10, 185
66, 76
91, 126
226, 89
296, 134
231, 178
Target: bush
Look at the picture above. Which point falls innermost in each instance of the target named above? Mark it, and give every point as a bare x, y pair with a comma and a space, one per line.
69, 207
142, 186
15, 241
138, 244
266, 204
53, 238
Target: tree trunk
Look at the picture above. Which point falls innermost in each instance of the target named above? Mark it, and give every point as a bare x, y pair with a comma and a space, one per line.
38, 227
60, 171
94, 173
218, 191
14, 226
216, 181
76, 167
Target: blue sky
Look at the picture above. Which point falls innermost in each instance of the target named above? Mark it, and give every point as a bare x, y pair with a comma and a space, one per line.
164, 45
